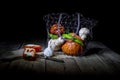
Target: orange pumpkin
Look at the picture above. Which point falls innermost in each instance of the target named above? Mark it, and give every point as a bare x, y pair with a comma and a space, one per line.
72, 48
76, 36
54, 29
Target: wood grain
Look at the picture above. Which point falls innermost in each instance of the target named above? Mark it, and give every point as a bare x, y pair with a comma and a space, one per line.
103, 62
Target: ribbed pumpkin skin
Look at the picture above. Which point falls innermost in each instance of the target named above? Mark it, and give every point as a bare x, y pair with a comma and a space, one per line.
54, 29
76, 36
72, 48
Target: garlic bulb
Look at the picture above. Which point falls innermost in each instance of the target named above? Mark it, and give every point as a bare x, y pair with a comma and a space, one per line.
48, 52
83, 33
55, 44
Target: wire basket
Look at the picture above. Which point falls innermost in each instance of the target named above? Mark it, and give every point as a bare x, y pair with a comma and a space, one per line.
72, 23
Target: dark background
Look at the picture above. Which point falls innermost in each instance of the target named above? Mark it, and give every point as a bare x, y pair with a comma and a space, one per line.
25, 20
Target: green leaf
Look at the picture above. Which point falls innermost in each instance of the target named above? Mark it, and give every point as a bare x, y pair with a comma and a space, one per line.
53, 36
67, 36
78, 41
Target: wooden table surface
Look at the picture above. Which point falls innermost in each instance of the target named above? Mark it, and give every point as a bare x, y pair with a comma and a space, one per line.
96, 63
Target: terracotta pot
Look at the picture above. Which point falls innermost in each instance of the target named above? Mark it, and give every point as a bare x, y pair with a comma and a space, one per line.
37, 48
29, 53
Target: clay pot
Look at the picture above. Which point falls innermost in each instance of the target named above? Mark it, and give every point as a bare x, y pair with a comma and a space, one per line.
29, 54
37, 48
30, 50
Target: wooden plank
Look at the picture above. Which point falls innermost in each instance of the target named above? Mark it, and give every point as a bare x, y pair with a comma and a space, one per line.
21, 66
12, 54
14, 65
25, 65
5, 53
93, 64
7, 48
17, 52
53, 67
95, 44
105, 66
114, 62
71, 68
99, 66
61, 55
14, 45
84, 65
39, 66
4, 66
11, 45
112, 55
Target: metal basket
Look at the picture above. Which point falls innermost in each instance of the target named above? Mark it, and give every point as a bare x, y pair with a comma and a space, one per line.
73, 22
